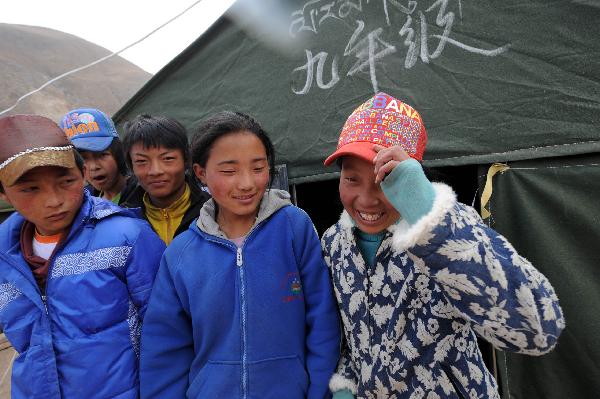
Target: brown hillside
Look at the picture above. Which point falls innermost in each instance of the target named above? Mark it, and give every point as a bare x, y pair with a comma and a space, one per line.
30, 56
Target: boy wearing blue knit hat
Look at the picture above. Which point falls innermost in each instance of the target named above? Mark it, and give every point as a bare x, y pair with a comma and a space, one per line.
418, 275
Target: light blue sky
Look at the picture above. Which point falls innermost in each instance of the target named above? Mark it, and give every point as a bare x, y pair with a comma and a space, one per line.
114, 24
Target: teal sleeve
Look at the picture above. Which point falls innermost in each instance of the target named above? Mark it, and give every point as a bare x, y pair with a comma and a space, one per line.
343, 394
409, 191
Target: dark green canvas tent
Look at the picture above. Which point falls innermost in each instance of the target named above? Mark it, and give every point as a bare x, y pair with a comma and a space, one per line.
516, 82
5, 210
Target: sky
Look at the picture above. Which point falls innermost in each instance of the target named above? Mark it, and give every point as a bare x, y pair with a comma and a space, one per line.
115, 24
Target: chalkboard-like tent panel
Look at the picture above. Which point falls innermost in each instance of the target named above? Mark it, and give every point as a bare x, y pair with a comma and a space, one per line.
510, 81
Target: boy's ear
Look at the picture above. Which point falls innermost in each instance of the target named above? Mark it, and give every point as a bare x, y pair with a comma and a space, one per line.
200, 172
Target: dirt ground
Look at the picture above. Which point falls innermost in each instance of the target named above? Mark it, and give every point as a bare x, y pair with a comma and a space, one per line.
7, 355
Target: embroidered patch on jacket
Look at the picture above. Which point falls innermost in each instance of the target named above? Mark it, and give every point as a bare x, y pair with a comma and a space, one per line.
135, 328
82, 262
293, 287
102, 213
8, 293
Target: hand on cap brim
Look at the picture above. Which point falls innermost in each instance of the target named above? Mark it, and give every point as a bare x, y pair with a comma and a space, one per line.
386, 160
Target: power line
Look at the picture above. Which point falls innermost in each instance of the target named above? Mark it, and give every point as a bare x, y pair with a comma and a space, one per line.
81, 68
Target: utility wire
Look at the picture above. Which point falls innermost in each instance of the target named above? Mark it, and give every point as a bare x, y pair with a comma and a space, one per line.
81, 68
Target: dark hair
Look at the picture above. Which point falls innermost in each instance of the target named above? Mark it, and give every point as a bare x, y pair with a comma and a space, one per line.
78, 161
78, 164
116, 150
223, 123
156, 131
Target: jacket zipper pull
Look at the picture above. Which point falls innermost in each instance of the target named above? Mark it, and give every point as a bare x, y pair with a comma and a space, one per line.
44, 302
239, 257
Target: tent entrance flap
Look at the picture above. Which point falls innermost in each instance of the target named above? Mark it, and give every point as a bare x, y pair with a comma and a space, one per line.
548, 209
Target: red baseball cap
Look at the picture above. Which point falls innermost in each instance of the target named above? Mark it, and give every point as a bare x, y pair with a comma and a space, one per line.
382, 120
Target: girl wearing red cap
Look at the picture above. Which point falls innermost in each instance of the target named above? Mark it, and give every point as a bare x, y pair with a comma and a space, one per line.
418, 275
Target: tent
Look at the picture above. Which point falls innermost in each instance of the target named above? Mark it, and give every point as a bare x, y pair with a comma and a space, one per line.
5, 210
512, 82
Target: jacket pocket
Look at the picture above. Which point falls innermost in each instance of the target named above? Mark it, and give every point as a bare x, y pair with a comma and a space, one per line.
216, 380
276, 378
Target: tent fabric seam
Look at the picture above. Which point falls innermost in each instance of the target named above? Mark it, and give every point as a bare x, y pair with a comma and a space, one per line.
558, 167
517, 150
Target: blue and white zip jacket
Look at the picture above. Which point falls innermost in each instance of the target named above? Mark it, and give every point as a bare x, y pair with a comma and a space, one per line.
255, 322
82, 339
434, 286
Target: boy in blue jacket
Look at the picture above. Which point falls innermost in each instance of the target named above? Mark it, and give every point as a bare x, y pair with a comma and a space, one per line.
418, 275
75, 271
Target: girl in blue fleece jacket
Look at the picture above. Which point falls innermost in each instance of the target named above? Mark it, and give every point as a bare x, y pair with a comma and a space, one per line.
242, 306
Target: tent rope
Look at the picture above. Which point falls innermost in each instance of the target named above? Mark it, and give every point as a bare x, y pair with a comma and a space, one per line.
486, 195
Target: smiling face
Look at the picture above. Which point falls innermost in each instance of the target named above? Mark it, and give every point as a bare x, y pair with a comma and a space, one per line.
160, 171
47, 196
101, 171
237, 175
364, 200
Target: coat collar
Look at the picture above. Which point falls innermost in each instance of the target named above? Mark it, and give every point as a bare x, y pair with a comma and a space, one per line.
96, 208
405, 236
272, 201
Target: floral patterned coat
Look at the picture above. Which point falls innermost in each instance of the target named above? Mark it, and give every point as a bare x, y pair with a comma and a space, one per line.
411, 320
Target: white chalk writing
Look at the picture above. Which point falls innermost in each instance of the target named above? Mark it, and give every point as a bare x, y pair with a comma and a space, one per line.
370, 47
369, 51
320, 58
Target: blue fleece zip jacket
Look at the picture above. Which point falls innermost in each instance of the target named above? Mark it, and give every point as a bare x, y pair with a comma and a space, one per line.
259, 321
82, 339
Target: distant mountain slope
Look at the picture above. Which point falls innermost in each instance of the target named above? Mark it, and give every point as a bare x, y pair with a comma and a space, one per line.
30, 56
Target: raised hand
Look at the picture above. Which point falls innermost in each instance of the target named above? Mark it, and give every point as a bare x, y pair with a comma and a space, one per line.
387, 159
